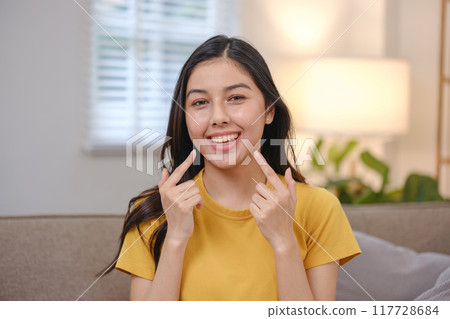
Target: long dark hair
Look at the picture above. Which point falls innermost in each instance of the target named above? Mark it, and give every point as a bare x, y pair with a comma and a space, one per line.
147, 206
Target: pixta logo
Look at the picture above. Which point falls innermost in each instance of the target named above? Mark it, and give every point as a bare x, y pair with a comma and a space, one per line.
142, 147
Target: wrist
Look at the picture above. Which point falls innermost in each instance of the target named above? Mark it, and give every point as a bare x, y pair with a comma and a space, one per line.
286, 245
175, 241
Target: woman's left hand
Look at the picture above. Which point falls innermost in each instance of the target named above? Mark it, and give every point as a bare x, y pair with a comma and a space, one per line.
274, 209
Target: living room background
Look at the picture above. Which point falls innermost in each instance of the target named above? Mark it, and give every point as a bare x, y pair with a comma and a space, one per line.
44, 93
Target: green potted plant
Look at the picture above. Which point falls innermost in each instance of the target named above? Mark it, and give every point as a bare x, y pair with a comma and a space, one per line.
352, 190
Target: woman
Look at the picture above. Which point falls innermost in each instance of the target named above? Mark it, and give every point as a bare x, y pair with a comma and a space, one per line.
240, 223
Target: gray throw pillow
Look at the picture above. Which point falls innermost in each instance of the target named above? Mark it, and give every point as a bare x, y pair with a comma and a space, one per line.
385, 271
440, 291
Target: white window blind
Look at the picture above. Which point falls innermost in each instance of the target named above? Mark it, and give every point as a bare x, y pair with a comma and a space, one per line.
138, 49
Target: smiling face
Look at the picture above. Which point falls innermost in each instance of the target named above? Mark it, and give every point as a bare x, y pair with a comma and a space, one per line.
225, 112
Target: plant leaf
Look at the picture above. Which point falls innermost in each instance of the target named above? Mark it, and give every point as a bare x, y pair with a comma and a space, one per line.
368, 197
314, 161
348, 148
377, 165
419, 188
336, 155
333, 154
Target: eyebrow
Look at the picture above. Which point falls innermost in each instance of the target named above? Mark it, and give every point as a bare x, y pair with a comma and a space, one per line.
226, 89
235, 86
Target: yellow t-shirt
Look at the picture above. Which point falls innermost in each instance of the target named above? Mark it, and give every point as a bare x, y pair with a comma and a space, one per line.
227, 257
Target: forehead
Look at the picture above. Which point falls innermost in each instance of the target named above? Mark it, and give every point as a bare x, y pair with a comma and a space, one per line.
219, 72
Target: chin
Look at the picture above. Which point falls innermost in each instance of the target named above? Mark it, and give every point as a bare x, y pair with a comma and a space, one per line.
226, 164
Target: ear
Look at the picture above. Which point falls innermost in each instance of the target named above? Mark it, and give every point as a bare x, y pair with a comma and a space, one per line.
270, 114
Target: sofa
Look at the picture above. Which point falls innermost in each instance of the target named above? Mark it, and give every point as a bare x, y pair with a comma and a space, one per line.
406, 255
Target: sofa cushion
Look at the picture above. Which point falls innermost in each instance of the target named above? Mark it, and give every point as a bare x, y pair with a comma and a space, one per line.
388, 272
58, 257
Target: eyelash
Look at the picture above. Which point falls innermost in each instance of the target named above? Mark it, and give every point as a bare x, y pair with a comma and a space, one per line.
199, 103
235, 98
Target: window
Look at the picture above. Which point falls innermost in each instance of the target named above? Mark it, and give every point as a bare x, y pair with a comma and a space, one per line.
132, 90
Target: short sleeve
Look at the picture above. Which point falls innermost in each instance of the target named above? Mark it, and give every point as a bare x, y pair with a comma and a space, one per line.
331, 237
135, 257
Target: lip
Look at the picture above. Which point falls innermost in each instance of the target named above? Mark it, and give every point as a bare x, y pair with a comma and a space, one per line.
224, 147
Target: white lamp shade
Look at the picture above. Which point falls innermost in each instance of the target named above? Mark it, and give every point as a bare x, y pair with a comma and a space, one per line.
352, 97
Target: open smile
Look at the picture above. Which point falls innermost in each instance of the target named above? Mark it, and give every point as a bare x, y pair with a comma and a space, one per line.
224, 142
224, 139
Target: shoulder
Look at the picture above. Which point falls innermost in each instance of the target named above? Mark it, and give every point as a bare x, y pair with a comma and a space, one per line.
143, 231
312, 195
316, 195
317, 204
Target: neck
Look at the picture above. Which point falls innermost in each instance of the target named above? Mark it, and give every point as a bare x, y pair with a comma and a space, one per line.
233, 187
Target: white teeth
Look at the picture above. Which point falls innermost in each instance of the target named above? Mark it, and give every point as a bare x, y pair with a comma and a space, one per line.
224, 139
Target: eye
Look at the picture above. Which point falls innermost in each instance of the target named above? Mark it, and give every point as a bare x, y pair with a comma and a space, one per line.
199, 103
237, 98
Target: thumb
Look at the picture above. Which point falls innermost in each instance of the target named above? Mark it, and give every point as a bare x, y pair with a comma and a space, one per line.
164, 177
291, 185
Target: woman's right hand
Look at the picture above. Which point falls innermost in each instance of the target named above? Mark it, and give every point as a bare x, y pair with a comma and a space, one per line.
178, 201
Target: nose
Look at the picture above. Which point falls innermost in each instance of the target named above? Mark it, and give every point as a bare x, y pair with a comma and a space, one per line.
219, 115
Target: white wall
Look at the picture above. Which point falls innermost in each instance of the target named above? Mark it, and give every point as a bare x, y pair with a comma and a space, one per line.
43, 96
298, 28
43, 93
414, 34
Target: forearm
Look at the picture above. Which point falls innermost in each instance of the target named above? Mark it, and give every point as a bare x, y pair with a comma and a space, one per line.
291, 275
167, 280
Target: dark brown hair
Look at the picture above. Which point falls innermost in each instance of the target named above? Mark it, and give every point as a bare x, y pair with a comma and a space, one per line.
147, 206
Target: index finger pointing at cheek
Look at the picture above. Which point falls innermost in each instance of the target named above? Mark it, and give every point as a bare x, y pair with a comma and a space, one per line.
181, 169
268, 171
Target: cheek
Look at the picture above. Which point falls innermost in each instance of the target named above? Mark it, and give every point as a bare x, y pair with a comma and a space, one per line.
192, 123
192, 129
197, 119
189, 127
258, 131
258, 111
196, 131
255, 119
